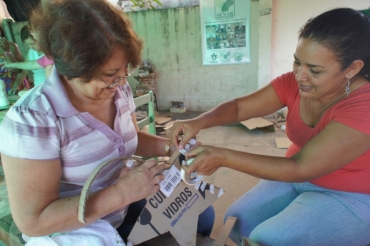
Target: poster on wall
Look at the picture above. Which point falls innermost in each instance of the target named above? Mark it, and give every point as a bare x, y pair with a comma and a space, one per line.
225, 31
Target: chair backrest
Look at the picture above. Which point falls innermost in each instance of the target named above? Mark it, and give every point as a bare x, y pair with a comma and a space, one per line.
150, 120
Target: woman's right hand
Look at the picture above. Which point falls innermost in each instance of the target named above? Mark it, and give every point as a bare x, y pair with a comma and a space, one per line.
137, 183
189, 129
4, 44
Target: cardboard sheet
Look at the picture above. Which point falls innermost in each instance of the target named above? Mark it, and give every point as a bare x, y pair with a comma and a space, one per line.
162, 119
168, 125
177, 214
259, 123
225, 231
282, 143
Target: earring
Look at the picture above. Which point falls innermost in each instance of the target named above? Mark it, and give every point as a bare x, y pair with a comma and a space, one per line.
347, 87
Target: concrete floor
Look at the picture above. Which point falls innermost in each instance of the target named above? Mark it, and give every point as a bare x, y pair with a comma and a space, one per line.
235, 183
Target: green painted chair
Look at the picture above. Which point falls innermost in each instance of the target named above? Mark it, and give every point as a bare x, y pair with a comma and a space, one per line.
150, 120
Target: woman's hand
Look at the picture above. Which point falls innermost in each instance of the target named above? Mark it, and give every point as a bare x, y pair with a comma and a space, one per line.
189, 129
207, 159
139, 182
13, 92
4, 44
5, 64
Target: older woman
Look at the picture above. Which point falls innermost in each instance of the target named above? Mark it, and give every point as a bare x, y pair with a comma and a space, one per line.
319, 194
81, 116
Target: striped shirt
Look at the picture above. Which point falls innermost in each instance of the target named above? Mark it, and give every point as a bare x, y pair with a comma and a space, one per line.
44, 125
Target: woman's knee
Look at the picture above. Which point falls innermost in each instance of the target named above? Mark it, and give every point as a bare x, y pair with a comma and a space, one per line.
277, 235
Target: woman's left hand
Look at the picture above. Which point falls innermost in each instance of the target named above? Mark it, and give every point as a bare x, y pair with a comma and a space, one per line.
207, 159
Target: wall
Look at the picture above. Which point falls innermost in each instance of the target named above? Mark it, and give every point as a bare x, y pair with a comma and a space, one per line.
264, 44
173, 44
3, 10
288, 16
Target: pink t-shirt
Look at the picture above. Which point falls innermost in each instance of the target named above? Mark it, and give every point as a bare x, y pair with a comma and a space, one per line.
44, 61
353, 111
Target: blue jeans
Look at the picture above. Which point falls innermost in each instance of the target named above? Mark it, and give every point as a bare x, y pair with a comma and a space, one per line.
205, 220
279, 213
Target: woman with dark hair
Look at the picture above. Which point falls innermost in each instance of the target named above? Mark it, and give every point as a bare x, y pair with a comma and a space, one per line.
80, 117
319, 194
9, 52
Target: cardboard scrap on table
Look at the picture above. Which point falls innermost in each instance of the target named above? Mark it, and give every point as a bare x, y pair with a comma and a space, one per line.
282, 143
260, 123
223, 235
168, 125
162, 119
161, 123
177, 213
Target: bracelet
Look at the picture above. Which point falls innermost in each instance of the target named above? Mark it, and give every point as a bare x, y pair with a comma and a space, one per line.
7, 53
167, 148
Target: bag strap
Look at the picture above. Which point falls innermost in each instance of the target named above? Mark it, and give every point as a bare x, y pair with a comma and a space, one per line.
90, 180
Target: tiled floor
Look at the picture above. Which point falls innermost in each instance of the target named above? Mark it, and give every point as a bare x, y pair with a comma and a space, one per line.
235, 183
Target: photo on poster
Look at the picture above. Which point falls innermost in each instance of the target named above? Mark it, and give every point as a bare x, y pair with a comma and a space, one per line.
225, 31
224, 36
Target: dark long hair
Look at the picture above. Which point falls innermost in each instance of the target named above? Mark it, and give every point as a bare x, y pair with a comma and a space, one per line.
346, 32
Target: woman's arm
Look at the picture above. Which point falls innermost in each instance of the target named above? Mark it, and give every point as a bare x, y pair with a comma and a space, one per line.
37, 209
11, 52
150, 145
27, 65
260, 103
16, 53
257, 104
330, 150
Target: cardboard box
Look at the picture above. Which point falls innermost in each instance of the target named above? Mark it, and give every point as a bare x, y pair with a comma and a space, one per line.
177, 107
177, 110
260, 123
177, 213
